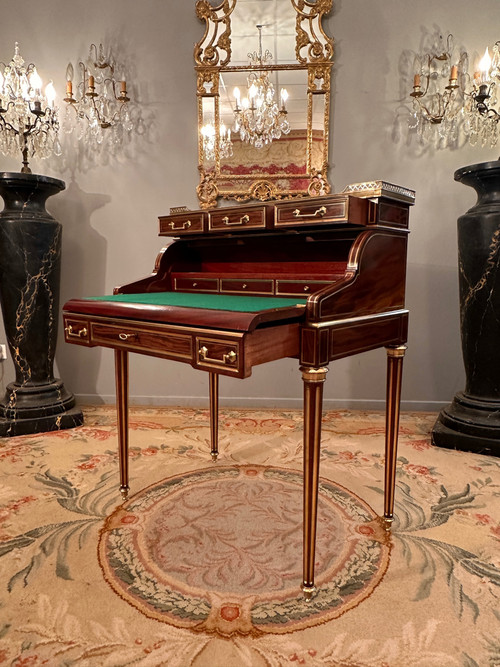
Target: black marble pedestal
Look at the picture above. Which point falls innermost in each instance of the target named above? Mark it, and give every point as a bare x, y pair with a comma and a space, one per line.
30, 264
472, 421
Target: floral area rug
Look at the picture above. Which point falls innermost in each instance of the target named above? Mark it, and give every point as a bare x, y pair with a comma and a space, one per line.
201, 567
219, 551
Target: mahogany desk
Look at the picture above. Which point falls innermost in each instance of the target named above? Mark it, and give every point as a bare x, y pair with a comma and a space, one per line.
312, 279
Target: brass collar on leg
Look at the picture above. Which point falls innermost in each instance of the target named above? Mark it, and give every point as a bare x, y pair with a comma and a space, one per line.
396, 352
314, 374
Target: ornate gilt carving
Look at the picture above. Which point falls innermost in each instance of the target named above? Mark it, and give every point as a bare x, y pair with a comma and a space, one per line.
321, 73
319, 185
263, 190
312, 37
207, 189
217, 35
207, 81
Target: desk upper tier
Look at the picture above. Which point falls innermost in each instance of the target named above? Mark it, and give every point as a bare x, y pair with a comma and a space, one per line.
315, 279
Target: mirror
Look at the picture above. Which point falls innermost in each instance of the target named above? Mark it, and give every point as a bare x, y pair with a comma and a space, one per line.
263, 92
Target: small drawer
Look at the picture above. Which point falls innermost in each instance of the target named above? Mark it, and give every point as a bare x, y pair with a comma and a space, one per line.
76, 330
243, 218
217, 354
304, 212
299, 287
392, 214
251, 286
196, 284
143, 339
181, 224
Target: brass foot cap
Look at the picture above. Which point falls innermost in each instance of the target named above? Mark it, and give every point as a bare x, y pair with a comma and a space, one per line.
124, 492
388, 523
308, 591
214, 455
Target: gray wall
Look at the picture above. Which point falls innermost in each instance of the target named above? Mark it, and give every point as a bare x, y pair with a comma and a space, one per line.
109, 213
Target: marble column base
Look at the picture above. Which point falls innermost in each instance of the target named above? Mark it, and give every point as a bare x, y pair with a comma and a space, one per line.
470, 425
27, 409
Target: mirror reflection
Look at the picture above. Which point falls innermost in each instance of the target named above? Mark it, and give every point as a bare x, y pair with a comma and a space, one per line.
278, 35
263, 110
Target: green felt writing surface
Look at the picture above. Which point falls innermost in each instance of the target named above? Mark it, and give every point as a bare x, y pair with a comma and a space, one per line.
244, 304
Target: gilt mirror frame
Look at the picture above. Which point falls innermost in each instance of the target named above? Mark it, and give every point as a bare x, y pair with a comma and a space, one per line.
314, 55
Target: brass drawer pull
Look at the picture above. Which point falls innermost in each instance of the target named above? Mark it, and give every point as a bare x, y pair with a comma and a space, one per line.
186, 225
319, 213
81, 333
306, 288
125, 336
242, 221
229, 358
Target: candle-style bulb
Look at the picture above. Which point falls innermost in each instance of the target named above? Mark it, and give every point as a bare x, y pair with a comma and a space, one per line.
50, 93
25, 86
35, 80
485, 64
284, 96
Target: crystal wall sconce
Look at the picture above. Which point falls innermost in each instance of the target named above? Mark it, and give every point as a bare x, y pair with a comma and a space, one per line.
448, 102
99, 101
481, 109
438, 92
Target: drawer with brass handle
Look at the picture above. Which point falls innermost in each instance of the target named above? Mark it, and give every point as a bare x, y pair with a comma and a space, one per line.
156, 340
195, 284
249, 218
299, 287
181, 223
223, 355
249, 286
76, 330
331, 209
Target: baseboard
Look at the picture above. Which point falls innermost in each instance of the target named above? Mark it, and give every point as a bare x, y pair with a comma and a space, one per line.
261, 402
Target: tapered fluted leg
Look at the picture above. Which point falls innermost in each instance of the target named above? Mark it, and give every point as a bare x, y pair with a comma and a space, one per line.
314, 379
121, 374
395, 357
214, 415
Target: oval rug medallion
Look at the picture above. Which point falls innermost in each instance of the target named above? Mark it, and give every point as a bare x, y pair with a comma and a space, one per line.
219, 550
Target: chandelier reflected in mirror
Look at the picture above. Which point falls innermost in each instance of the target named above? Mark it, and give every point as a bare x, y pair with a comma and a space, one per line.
28, 118
257, 116
101, 111
209, 139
